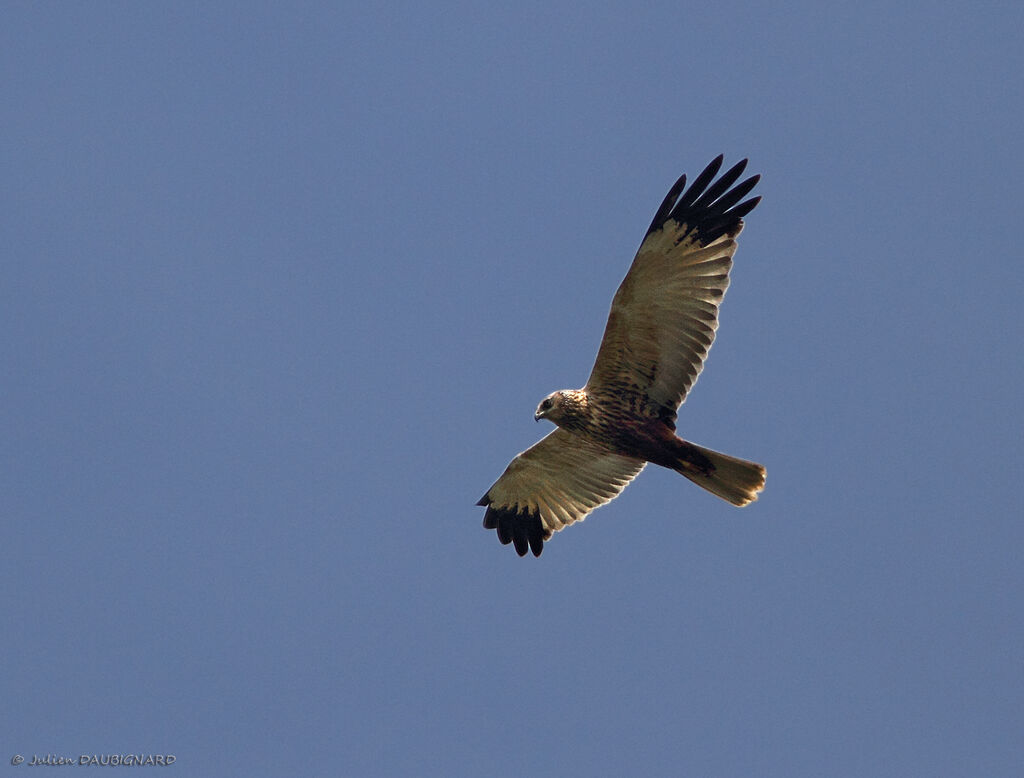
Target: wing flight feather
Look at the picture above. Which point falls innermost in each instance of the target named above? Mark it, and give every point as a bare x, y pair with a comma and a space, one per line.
554, 483
664, 315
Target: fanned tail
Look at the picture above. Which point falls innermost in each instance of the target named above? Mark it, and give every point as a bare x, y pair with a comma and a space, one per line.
735, 480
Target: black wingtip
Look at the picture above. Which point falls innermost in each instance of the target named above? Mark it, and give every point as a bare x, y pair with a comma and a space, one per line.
521, 542
524, 530
700, 183
668, 202
743, 209
709, 210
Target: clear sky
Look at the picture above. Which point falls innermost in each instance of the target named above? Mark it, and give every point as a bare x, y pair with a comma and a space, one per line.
283, 284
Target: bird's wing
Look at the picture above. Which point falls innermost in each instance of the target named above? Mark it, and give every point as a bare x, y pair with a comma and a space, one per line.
665, 313
554, 483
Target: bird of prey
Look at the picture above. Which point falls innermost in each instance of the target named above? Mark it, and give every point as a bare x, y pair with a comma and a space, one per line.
661, 324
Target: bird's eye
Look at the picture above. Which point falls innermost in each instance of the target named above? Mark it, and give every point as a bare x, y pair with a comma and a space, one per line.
546, 404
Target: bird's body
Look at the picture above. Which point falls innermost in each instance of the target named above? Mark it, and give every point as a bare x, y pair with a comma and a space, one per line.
662, 322
621, 423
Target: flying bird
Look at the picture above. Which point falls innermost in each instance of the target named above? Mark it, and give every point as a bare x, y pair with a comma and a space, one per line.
661, 324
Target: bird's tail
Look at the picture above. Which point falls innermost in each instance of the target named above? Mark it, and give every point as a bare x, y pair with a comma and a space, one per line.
735, 480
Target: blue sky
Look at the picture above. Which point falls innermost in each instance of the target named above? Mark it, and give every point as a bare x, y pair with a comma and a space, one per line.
284, 283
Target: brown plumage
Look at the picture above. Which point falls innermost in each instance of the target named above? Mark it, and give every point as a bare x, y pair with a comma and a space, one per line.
661, 324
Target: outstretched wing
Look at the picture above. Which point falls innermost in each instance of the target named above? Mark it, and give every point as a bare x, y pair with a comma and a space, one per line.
665, 313
554, 483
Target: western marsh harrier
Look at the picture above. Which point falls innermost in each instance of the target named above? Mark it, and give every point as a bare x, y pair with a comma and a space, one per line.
662, 322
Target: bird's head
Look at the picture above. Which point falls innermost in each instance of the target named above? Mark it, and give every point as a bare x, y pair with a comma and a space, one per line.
561, 406
549, 407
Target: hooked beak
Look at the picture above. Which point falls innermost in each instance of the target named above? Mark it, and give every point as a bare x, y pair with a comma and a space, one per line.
537, 416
